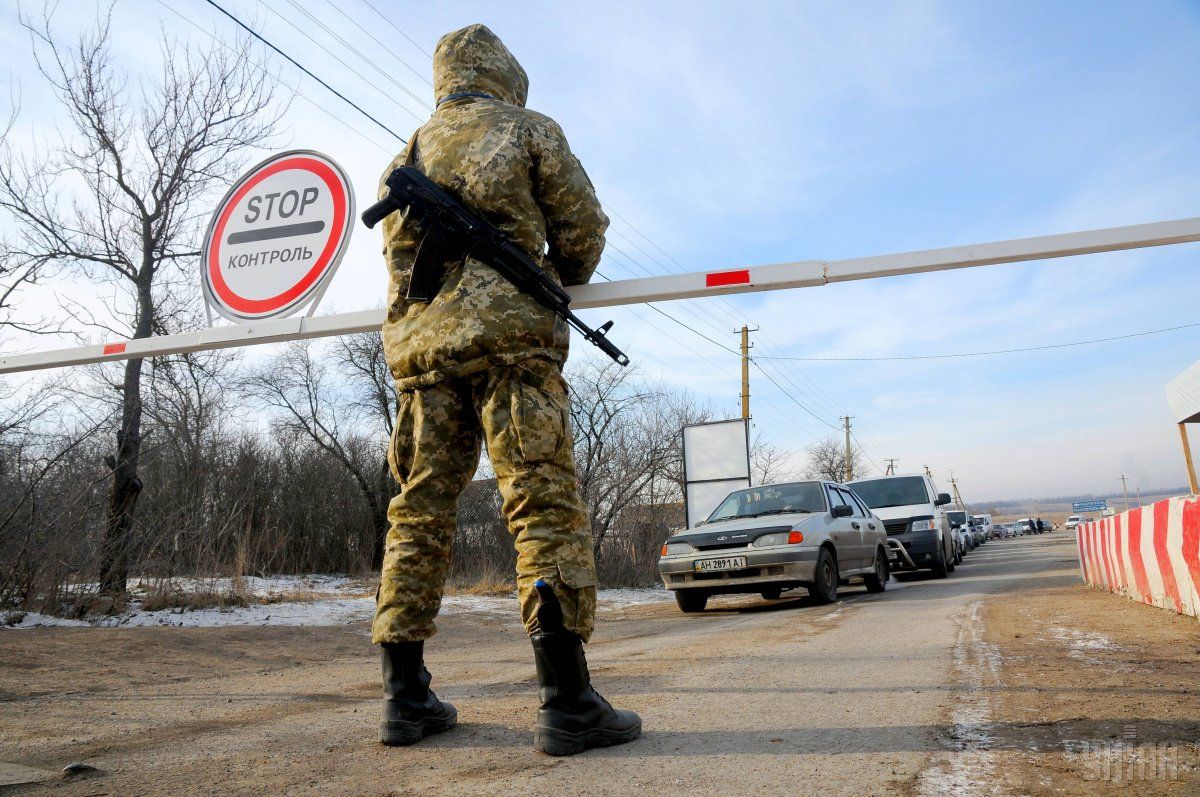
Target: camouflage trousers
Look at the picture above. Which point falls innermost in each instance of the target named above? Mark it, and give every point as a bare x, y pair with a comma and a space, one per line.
521, 412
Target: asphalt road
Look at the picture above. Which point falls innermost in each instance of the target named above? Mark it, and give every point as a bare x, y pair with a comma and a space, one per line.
877, 694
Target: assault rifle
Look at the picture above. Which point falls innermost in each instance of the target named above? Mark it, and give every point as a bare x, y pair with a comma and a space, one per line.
450, 232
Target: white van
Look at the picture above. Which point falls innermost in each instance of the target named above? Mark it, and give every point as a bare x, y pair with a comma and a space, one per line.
919, 533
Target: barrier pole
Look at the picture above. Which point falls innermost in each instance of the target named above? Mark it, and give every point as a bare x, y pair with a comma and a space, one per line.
1187, 457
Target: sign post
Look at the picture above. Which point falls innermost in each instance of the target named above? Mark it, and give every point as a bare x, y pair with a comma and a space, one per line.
277, 237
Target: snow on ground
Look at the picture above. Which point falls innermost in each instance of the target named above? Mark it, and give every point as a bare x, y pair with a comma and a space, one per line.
1083, 645
344, 605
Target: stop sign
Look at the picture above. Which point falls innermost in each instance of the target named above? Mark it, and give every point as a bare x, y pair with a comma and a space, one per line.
277, 237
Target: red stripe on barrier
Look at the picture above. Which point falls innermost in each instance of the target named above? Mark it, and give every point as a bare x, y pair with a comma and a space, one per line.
1114, 549
114, 348
1105, 537
1119, 550
1161, 514
716, 278
1090, 548
1140, 580
1079, 532
1191, 542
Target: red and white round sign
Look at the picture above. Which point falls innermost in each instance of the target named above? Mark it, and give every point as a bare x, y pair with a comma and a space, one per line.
277, 237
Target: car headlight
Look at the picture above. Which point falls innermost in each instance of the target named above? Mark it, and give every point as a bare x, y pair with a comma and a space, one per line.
793, 537
924, 525
677, 549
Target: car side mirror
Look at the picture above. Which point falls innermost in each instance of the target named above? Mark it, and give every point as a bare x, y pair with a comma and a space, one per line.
942, 499
841, 510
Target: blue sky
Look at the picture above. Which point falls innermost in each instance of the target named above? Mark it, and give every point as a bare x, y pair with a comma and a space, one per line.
749, 133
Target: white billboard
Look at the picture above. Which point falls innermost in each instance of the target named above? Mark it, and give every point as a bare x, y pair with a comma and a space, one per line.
716, 461
1183, 394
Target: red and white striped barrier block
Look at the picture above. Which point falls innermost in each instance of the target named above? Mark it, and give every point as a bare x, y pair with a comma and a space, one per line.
1150, 554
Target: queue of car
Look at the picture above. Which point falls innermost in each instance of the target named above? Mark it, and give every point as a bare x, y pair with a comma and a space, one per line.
818, 535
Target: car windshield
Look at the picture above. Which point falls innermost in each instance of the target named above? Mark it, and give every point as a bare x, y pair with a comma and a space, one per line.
957, 517
900, 491
771, 499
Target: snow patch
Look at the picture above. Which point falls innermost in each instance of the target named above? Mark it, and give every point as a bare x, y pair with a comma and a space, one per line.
1083, 645
335, 610
969, 768
35, 620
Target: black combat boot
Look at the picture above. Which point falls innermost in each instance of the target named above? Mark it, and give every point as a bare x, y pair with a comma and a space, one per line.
410, 710
573, 716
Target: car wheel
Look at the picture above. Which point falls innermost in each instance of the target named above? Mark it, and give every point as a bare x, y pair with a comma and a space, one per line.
939, 569
691, 600
825, 579
772, 594
877, 581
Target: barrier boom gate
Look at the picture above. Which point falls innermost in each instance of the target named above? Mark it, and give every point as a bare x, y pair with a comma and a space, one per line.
802, 274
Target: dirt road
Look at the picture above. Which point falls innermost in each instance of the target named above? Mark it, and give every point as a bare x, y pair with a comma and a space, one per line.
1008, 678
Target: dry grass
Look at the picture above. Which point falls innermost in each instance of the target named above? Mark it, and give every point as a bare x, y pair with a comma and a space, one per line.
491, 585
308, 596
179, 599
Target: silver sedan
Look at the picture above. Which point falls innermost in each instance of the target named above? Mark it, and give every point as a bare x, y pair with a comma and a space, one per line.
812, 534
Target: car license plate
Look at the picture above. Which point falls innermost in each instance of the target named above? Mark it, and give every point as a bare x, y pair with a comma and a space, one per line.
720, 565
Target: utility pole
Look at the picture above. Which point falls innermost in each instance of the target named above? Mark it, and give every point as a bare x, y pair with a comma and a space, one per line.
849, 452
957, 496
1139, 494
891, 468
746, 346
1125, 488
928, 472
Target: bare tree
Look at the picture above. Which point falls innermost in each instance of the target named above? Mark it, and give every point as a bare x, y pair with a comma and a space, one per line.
360, 359
769, 464
299, 384
138, 160
827, 460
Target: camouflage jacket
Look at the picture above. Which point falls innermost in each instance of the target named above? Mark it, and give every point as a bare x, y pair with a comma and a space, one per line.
512, 166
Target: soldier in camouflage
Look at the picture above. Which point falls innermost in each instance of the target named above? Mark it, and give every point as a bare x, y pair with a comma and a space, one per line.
482, 363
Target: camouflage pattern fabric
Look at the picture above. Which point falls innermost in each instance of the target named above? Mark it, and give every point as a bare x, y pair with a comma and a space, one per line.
512, 166
522, 413
482, 362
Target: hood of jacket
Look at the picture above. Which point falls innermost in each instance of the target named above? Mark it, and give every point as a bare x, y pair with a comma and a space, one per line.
474, 59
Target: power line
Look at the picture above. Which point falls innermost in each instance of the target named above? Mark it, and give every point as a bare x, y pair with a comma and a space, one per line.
693, 330
386, 74
771, 379
990, 353
303, 69
331, 54
299, 93
866, 453
393, 24
390, 51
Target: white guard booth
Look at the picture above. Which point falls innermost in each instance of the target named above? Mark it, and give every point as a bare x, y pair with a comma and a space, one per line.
716, 461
